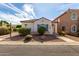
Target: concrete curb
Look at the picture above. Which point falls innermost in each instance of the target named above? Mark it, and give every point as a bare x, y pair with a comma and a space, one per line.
38, 43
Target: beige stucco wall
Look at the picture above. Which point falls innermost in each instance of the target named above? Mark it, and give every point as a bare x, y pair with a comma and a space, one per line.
34, 27
43, 21
29, 25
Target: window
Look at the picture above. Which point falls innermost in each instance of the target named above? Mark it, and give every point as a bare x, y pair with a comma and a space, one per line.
73, 28
25, 25
73, 16
43, 25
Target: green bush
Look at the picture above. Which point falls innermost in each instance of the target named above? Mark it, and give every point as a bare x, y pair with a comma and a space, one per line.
18, 26
41, 30
14, 29
62, 33
4, 31
78, 33
24, 31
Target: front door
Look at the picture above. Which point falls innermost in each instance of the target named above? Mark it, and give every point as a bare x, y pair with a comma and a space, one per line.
43, 25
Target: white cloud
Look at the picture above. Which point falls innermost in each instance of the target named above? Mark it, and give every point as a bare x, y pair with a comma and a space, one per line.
28, 11
9, 7
29, 8
9, 17
25, 14
20, 11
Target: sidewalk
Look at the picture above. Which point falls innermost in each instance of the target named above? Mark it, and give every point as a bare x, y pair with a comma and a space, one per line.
37, 43
66, 39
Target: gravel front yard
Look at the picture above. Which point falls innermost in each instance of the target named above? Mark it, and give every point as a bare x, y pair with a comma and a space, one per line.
47, 38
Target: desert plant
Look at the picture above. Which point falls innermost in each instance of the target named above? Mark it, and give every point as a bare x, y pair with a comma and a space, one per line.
4, 31
78, 33
14, 29
24, 31
62, 33
27, 38
41, 30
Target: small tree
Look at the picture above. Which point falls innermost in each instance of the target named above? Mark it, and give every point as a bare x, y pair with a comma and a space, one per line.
41, 30
18, 26
5, 22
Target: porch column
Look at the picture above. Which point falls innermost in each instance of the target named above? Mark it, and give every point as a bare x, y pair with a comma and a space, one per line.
55, 27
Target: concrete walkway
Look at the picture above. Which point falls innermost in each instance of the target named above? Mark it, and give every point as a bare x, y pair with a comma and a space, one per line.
3, 37
66, 39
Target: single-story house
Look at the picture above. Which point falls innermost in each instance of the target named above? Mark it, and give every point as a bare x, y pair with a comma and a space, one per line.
34, 24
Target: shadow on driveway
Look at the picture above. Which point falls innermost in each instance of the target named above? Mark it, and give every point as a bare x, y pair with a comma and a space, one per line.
15, 38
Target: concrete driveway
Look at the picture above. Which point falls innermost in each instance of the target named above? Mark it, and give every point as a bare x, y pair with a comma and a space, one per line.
39, 50
3, 37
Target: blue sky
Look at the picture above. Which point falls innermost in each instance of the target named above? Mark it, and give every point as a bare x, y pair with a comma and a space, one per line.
15, 12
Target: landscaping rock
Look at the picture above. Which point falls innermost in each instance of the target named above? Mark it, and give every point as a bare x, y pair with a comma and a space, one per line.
28, 38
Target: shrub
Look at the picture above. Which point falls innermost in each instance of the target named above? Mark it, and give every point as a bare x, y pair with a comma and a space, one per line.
78, 33
8, 25
14, 29
62, 33
4, 31
27, 38
24, 31
41, 30
18, 26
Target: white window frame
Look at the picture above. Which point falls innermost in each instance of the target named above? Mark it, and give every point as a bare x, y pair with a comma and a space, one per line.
75, 29
73, 16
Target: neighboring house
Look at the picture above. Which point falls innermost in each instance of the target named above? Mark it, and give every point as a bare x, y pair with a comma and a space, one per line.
68, 21
34, 24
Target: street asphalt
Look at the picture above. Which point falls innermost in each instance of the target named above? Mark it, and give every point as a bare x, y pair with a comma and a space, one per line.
39, 50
